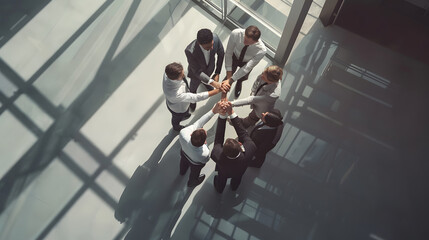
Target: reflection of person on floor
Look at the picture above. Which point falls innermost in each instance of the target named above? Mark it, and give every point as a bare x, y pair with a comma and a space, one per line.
200, 54
265, 135
231, 157
265, 91
245, 49
195, 152
178, 97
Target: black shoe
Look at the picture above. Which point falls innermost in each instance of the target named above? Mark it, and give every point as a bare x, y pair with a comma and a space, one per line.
238, 89
198, 182
192, 107
180, 127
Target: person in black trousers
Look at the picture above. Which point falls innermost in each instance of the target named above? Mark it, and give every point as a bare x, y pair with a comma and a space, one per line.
231, 157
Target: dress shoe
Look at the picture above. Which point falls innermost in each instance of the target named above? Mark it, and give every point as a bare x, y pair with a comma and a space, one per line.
198, 182
238, 88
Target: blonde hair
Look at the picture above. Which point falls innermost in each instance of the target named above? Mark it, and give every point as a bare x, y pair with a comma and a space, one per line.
274, 73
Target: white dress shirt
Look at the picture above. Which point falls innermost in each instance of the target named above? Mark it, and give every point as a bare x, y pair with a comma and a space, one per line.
199, 155
265, 99
253, 55
206, 54
178, 96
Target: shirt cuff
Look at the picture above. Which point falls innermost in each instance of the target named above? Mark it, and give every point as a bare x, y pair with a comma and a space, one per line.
233, 115
210, 81
223, 116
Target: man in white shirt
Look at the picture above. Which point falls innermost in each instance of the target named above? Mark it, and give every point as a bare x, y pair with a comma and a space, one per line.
200, 54
245, 49
177, 94
195, 152
264, 93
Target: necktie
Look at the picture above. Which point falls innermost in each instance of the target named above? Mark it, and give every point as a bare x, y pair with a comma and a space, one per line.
243, 52
259, 88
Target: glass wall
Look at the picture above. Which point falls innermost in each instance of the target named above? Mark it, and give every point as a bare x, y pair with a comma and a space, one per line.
269, 16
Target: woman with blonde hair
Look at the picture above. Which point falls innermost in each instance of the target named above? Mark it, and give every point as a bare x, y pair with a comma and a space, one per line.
265, 91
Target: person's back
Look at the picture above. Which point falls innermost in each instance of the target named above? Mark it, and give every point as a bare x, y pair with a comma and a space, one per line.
266, 135
231, 156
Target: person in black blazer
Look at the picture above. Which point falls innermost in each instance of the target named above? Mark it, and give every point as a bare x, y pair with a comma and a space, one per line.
265, 134
231, 157
200, 54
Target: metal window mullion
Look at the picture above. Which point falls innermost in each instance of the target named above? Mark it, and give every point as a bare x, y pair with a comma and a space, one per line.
258, 19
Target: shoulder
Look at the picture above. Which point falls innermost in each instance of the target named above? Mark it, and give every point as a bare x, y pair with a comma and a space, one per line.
191, 46
237, 32
261, 46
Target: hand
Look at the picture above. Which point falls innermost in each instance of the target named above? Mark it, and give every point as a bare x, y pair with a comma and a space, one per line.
225, 87
229, 109
217, 108
216, 78
216, 85
220, 107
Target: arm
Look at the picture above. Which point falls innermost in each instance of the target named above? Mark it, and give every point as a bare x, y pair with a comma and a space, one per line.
243, 101
220, 55
195, 68
190, 97
242, 134
219, 137
249, 65
229, 51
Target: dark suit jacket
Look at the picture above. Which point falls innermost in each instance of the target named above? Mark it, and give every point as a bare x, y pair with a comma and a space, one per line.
266, 139
197, 67
224, 165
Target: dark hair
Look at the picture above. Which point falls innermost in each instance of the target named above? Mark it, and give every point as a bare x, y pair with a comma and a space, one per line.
274, 73
204, 36
198, 137
231, 148
273, 118
253, 33
173, 70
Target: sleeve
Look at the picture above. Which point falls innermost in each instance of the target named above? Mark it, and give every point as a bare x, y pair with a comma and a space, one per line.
230, 50
190, 97
219, 138
243, 101
249, 65
245, 139
203, 120
220, 57
242, 134
195, 68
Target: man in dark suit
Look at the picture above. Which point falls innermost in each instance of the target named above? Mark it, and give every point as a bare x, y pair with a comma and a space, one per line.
265, 134
201, 61
231, 157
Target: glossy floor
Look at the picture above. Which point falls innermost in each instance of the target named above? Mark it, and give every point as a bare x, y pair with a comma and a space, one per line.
82, 108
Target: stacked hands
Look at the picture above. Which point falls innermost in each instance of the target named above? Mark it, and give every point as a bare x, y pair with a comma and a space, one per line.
224, 87
223, 107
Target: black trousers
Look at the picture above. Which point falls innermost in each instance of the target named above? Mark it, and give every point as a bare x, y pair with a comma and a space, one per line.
177, 117
220, 181
195, 169
236, 64
195, 82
